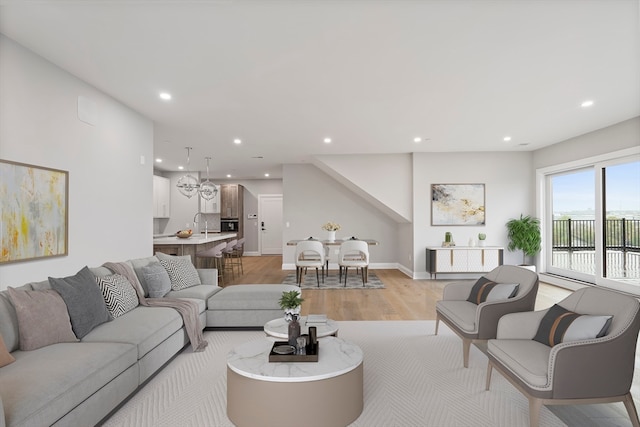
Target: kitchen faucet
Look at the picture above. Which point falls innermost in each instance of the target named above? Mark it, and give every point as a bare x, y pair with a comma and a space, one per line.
206, 224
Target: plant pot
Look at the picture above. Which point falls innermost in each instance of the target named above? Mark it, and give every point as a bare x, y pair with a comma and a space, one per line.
332, 236
289, 312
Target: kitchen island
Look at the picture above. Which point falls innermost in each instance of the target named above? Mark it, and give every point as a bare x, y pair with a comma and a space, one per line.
198, 242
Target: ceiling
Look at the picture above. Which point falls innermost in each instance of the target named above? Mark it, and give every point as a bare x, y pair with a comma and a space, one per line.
371, 75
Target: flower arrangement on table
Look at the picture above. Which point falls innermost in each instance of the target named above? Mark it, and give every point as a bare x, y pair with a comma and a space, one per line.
331, 226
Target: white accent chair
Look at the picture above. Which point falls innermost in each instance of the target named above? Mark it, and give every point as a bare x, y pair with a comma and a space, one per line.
309, 253
354, 253
478, 322
586, 371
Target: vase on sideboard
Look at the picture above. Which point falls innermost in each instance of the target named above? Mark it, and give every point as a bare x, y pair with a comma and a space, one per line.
332, 236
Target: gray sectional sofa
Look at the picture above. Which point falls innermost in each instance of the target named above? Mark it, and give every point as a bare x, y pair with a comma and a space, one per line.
79, 383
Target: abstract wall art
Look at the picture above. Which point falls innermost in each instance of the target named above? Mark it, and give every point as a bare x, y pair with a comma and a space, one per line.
34, 214
457, 204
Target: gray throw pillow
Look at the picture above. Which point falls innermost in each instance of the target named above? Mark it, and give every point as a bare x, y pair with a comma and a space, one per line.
157, 279
85, 304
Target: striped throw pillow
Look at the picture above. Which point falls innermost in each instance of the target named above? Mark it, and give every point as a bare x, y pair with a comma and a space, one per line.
561, 325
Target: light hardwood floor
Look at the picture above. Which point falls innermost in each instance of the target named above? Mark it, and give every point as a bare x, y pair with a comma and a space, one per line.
402, 298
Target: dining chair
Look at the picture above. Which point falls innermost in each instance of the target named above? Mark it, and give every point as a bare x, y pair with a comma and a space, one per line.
354, 253
309, 253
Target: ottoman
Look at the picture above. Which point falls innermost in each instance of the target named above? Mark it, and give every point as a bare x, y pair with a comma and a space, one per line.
248, 306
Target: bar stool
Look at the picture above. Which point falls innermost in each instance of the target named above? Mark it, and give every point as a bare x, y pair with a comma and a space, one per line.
227, 253
214, 259
238, 250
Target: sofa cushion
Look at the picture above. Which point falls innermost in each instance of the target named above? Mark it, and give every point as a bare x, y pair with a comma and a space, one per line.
462, 313
181, 271
118, 294
43, 385
561, 325
487, 290
528, 359
200, 292
5, 356
144, 327
85, 304
9, 323
157, 280
42, 318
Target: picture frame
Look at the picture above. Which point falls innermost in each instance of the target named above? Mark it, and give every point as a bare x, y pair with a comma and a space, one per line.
458, 204
34, 212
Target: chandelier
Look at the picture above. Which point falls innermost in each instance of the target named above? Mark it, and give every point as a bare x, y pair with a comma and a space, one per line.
188, 185
208, 189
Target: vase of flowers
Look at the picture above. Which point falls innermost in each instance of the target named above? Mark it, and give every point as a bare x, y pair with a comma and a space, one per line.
331, 227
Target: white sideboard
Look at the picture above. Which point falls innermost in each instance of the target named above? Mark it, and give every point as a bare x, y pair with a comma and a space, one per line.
463, 259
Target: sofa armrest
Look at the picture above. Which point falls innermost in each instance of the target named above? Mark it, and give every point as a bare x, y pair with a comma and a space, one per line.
457, 291
2, 421
208, 276
522, 326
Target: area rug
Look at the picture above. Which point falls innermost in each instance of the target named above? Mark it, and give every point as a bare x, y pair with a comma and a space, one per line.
411, 378
354, 281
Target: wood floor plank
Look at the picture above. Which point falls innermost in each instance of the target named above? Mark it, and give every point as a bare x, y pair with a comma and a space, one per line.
402, 298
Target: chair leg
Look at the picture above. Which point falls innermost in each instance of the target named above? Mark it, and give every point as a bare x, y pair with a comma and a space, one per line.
346, 270
631, 410
534, 411
489, 371
318, 277
437, 324
466, 345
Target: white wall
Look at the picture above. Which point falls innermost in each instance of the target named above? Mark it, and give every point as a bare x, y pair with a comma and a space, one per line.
311, 198
110, 192
606, 140
509, 189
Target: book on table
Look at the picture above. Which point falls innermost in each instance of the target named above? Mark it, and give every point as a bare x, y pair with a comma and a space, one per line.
317, 318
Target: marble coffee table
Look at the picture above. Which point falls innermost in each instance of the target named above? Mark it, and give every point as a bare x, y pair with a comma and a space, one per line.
325, 393
279, 328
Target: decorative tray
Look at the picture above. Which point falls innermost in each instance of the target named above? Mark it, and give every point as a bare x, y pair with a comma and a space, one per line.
283, 352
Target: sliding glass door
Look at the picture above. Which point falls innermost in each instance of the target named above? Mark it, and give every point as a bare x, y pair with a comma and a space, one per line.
593, 224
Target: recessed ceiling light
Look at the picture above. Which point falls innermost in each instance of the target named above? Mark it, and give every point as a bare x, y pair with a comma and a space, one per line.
266, 174
506, 139
158, 160
228, 175
327, 140
165, 95
587, 103
237, 141
417, 139
180, 167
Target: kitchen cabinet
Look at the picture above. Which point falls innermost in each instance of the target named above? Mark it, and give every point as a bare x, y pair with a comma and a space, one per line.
161, 197
211, 206
231, 201
463, 259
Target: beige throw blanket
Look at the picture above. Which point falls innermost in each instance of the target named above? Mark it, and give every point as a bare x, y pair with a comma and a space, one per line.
187, 309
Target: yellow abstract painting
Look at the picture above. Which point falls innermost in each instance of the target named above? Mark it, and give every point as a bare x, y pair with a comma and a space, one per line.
34, 212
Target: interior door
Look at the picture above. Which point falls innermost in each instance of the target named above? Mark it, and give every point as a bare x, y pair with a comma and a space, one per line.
270, 221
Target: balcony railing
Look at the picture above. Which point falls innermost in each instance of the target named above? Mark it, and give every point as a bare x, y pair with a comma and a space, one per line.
574, 246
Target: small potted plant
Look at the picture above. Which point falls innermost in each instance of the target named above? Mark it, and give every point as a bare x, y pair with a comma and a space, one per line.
524, 234
331, 227
481, 238
290, 302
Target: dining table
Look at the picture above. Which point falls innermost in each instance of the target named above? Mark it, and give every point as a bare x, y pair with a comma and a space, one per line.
336, 242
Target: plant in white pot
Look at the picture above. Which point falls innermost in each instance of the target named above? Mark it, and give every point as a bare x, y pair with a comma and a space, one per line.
290, 302
524, 234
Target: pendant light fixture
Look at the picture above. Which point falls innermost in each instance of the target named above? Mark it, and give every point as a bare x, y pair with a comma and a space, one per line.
188, 184
208, 189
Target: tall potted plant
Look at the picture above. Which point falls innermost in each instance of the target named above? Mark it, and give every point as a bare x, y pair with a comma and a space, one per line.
524, 234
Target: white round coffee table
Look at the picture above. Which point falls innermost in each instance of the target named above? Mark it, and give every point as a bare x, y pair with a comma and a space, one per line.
325, 393
279, 328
